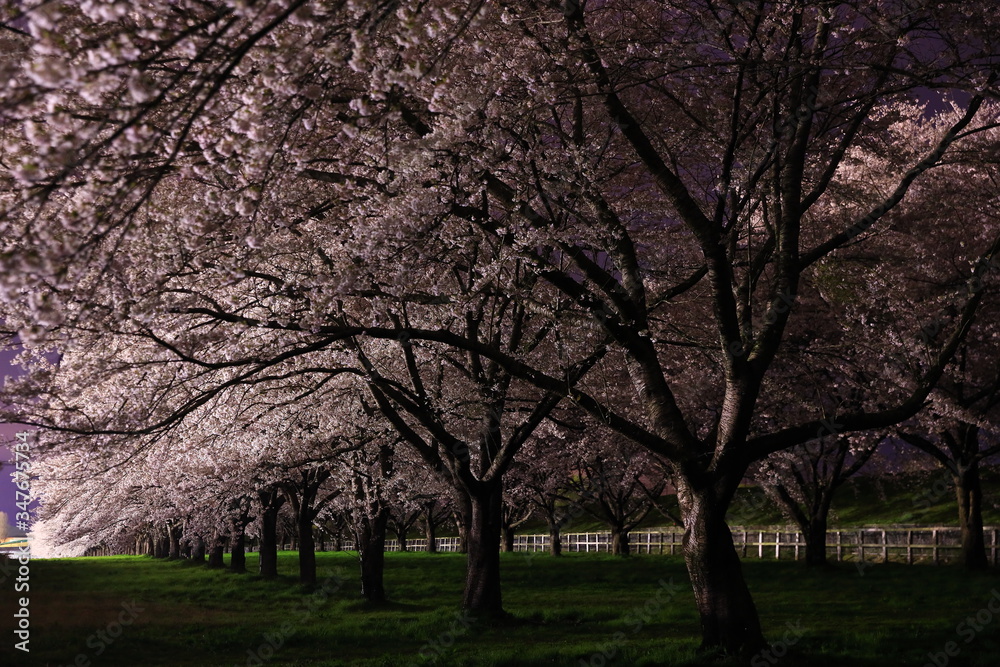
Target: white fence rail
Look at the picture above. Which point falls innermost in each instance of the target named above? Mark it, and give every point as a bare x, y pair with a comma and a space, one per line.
938, 544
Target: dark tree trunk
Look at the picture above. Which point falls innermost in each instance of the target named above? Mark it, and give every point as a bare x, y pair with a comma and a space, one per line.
271, 503
238, 554
555, 540
215, 556
482, 578
729, 619
198, 550
163, 544
815, 536
969, 493
173, 535
159, 547
430, 533
619, 541
507, 540
463, 520
307, 549
371, 553
463, 534
268, 546
401, 534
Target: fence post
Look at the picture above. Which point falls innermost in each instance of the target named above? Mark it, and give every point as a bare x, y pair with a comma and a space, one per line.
777, 545
937, 560
760, 544
885, 549
861, 546
909, 547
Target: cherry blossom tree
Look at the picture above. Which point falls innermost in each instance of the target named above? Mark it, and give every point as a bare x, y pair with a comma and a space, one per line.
197, 203
617, 483
541, 477
803, 481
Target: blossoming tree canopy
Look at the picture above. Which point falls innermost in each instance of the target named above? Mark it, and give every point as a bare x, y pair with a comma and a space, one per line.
195, 197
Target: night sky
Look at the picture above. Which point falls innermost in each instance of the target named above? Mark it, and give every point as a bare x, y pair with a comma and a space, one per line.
7, 432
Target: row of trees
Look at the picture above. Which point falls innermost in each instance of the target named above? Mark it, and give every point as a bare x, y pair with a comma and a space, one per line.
719, 230
203, 498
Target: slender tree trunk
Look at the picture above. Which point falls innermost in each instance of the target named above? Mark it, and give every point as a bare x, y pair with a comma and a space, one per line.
307, 549
371, 553
238, 554
482, 579
430, 533
969, 493
729, 619
401, 534
619, 541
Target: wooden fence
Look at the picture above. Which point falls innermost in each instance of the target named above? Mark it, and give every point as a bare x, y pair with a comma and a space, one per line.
940, 544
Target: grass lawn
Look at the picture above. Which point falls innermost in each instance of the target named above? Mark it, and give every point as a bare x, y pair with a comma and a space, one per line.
582, 607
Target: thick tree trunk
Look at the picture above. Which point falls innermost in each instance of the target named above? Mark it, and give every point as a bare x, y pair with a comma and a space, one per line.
430, 533
307, 550
969, 494
462, 524
198, 549
371, 553
173, 535
482, 578
729, 619
507, 539
619, 541
159, 547
238, 554
555, 540
269, 542
463, 519
815, 536
215, 556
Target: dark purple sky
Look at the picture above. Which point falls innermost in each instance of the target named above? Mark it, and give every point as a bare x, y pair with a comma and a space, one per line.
8, 495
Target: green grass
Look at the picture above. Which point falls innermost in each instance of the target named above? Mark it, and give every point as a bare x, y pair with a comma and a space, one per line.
581, 607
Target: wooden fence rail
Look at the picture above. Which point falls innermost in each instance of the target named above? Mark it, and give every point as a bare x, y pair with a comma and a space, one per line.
938, 544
